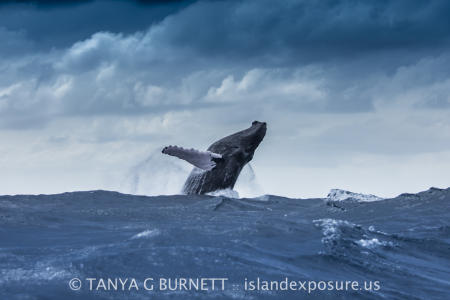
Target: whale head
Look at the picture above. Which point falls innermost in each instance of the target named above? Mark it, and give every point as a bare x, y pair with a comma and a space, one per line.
241, 145
250, 139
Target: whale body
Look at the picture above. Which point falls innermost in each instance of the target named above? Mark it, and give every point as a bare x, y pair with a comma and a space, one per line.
219, 166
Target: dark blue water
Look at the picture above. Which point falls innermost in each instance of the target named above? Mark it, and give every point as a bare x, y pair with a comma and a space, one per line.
401, 243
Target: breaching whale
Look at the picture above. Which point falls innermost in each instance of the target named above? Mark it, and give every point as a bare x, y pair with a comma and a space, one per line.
219, 166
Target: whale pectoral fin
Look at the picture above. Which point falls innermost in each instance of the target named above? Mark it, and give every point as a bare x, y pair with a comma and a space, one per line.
201, 159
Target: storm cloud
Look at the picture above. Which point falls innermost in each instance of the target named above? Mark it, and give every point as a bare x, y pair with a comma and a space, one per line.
347, 88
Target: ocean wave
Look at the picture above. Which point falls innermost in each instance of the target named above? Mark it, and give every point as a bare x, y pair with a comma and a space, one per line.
341, 235
403, 242
341, 195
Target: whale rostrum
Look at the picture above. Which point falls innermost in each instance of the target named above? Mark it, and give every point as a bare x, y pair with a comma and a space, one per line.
220, 165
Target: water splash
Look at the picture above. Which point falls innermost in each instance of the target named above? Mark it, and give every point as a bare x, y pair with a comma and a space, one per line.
247, 185
155, 175
160, 175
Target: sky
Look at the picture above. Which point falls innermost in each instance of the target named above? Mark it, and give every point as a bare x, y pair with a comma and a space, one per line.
356, 93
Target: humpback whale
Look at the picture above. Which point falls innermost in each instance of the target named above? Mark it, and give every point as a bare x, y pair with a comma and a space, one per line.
220, 165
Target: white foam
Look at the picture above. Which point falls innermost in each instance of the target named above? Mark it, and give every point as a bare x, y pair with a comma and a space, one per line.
372, 243
332, 230
341, 195
229, 193
146, 234
330, 226
39, 272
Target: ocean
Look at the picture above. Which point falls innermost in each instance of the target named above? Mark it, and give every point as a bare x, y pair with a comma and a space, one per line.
108, 245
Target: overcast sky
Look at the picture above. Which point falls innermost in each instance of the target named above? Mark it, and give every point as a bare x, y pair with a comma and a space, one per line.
356, 93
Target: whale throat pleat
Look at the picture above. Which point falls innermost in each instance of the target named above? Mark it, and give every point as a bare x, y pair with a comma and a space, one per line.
200, 159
